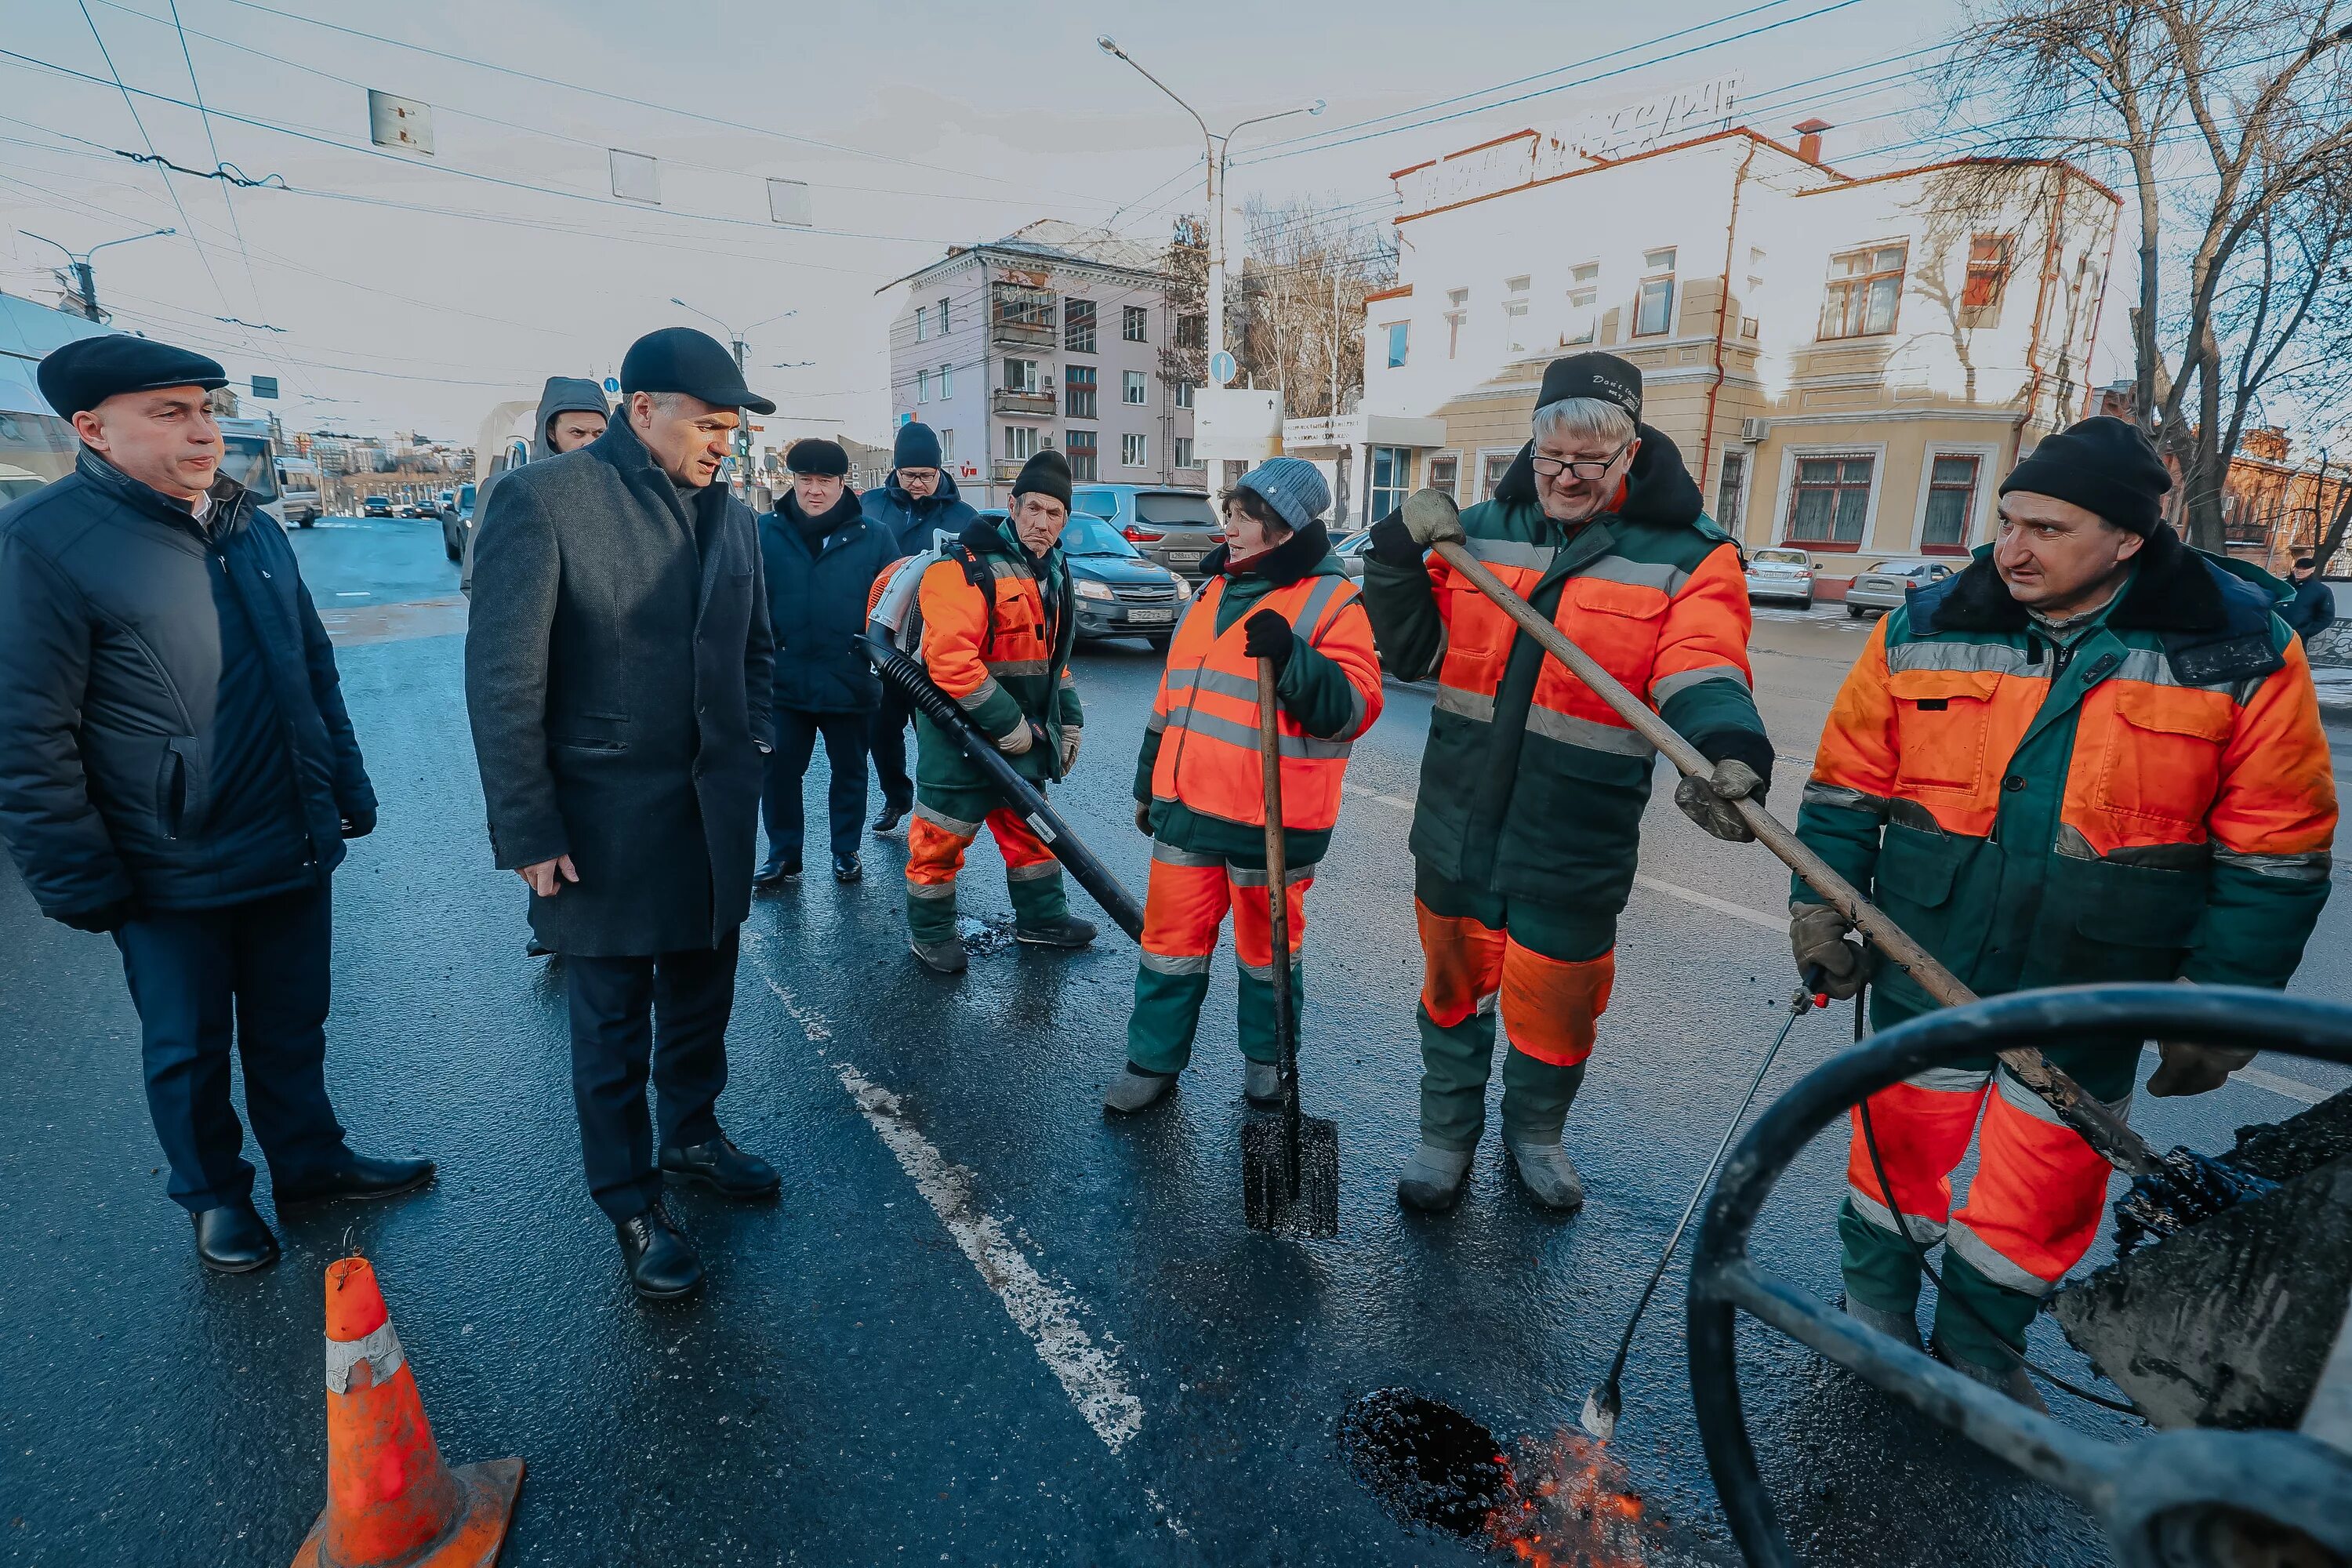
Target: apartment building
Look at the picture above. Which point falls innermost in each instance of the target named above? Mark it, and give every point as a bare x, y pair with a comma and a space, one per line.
1850, 364
1050, 337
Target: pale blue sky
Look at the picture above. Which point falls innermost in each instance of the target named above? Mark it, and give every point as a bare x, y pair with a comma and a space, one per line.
919, 125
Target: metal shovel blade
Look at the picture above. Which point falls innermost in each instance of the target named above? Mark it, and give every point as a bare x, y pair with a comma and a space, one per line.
1267, 1197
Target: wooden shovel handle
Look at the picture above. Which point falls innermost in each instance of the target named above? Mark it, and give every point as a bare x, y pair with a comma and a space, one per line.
2101, 1128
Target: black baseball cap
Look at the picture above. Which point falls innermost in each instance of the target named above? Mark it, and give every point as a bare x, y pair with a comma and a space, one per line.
680, 359
1597, 375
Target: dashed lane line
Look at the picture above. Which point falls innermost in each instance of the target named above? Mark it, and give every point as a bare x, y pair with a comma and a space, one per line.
1090, 1374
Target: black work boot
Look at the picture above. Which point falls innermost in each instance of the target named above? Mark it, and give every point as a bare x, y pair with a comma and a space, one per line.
1069, 932
942, 957
662, 1263
231, 1239
721, 1165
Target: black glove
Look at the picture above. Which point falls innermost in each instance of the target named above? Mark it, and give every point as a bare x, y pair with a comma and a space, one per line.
104, 918
1143, 818
358, 824
1267, 635
1393, 544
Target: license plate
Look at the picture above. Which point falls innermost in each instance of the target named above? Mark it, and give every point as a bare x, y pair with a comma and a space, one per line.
1176, 560
1149, 617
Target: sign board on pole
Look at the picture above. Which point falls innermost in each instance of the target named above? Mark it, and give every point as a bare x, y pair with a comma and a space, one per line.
265, 386
611, 383
400, 122
635, 177
788, 202
1221, 369
1237, 423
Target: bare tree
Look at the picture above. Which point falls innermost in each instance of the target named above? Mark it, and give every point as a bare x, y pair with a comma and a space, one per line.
2221, 118
1184, 358
1302, 302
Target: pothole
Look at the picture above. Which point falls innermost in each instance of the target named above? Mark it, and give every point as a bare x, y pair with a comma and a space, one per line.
1427, 1462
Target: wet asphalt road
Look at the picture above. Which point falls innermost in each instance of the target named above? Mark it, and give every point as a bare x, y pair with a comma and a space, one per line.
982, 1325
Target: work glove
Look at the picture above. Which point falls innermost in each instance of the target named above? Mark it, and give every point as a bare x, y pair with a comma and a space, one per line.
1707, 801
1069, 747
1393, 544
1143, 818
1018, 739
358, 824
1431, 518
1818, 936
2186, 1068
105, 917
1267, 635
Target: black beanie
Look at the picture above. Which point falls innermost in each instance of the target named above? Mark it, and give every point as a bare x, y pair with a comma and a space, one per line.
2103, 465
816, 456
1047, 474
1596, 376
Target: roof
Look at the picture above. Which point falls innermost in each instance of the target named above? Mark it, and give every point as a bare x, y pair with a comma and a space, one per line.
1054, 242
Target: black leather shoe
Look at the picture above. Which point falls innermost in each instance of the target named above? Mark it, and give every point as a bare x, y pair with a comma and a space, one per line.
718, 1163
891, 817
777, 872
356, 1176
231, 1239
848, 868
662, 1263
532, 949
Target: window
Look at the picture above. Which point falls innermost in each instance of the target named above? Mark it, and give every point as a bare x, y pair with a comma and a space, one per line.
1134, 451
1192, 332
1951, 503
1081, 453
1078, 390
1515, 325
1184, 459
1988, 279
1078, 326
1583, 305
923, 323
1183, 394
1457, 302
1654, 311
1131, 386
1830, 502
1021, 375
943, 318
1864, 288
1727, 492
1492, 467
1020, 441
1132, 320
1391, 476
947, 444
947, 382
922, 386
1400, 340
1440, 473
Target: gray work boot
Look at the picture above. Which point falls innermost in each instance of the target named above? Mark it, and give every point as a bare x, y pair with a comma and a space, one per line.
1069, 932
1903, 1328
1433, 1180
1134, 1090
2010, 1379
1262, 1084
1546, 1173
942, 957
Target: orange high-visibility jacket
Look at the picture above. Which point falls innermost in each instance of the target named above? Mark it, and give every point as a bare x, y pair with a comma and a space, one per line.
998, 652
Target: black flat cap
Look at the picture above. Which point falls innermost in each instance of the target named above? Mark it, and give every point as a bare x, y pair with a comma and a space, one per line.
680, 359
85, 371
2104, 465
816, 456
1596, 376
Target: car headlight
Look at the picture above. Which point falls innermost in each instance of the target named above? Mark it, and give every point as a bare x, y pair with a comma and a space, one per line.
1090, 589
1184, 589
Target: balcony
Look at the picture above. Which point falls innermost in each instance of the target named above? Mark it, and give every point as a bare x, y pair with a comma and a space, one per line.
1025, 405
1008, 332
1004, 470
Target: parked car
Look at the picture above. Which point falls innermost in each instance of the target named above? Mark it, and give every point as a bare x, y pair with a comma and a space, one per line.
456, 521
1120, 592
1173, 527
1782, 572
1351, 551
376, 506
1881, 585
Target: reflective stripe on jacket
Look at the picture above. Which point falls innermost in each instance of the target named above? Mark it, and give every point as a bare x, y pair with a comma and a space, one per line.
1207, 707
998, 653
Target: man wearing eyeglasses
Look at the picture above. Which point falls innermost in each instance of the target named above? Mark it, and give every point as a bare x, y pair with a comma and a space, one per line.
1529, 818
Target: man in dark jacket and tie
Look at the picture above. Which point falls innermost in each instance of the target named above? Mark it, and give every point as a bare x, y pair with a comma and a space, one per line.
177, 768
820, 556
617, 675
914, 505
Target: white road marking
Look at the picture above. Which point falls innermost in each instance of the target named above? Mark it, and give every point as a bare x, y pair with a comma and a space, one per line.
1090, 1374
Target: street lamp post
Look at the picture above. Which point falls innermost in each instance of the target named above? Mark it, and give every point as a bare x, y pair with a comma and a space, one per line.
1219, 153
86, 280
735, 340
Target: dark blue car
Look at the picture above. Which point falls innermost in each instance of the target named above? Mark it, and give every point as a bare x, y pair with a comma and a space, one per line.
1120, 593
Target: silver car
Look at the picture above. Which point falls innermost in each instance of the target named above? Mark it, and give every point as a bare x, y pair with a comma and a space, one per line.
1351, 551
1173, 527
1880, 586
1782, 572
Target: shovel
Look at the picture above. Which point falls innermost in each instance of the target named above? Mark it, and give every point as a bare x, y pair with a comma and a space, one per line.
1290, 1163
2183, 1180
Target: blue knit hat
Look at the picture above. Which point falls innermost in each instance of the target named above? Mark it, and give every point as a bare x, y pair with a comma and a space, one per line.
1292, 487
918, 446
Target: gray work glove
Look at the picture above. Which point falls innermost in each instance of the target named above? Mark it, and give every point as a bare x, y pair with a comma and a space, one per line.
1017, 739
1433, 519
2186, 1068
1818, 937
1069, 748
1707, 801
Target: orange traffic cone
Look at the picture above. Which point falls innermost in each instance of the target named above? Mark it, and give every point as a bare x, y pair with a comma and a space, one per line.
391, 1502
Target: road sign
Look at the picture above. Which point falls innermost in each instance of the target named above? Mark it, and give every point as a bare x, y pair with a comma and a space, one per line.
1220, 368
611, 383
264, 387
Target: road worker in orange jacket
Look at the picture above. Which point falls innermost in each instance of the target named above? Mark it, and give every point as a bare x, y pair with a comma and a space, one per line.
1274, 591
2095, 754
998, 625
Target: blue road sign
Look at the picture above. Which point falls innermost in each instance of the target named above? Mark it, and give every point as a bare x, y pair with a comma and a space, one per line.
1220, 368
611, 383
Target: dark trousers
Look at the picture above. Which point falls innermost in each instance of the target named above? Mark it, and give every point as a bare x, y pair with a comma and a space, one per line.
667, 1013
886, 736
845, 798
255, 974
